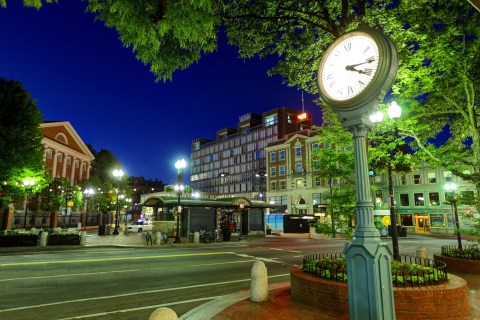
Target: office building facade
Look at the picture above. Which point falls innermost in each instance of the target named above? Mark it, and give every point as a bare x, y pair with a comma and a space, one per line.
234, 163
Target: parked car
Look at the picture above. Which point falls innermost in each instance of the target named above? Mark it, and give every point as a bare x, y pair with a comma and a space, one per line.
139, 226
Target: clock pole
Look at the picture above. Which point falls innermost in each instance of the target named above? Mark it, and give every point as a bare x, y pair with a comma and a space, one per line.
370, 289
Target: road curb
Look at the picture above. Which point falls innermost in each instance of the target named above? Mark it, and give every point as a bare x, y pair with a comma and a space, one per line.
208, 310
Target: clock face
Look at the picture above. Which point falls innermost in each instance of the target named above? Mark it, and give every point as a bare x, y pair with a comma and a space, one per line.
349, 67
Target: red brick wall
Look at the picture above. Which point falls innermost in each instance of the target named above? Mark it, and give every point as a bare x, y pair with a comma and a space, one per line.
446, 301
459, 265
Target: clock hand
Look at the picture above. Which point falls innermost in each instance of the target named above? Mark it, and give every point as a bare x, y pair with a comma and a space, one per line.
366, 71
352, 66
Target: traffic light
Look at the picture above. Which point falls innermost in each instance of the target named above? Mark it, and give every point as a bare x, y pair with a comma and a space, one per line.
69, 193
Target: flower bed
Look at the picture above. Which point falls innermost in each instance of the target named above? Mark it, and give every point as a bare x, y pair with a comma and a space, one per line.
333, 266
445, 301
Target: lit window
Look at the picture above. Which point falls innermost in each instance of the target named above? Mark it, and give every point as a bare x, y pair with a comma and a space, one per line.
298, 152
282, 170
273, 156
273, 171
282, 154
298, 168
419, 199
447, 176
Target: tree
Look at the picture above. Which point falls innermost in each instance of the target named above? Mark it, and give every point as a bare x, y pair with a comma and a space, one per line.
333, 161
103, 165
20, 140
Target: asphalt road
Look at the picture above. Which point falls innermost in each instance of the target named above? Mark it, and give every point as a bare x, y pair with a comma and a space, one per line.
129, 283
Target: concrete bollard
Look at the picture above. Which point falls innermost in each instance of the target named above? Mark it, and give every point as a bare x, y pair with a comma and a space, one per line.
259, 282
83, 238
158, 238
163, 314
196, 237
43, 238
422, 253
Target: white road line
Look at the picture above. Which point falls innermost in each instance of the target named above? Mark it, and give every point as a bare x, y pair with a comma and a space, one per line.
141, 308
123, 271
294, 251
277, 249
133, 294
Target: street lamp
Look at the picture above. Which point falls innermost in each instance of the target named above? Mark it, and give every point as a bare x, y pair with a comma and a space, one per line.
394, 112
452, 198
87, 194
118, 173
179, 165
28, 184
240, 220
262, 176
224, 176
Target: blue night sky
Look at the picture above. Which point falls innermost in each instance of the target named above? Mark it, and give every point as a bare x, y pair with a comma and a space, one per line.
78, 71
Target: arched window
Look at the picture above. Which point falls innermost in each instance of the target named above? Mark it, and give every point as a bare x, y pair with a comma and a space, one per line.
62, 138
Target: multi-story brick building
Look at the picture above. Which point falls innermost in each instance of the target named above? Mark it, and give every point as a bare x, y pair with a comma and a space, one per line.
234, 164
66, 155
422, 203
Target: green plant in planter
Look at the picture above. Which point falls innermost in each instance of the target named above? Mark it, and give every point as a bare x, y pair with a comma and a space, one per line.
402, 273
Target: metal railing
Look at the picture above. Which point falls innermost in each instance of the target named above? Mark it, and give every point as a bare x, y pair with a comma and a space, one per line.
412, 271
469, 251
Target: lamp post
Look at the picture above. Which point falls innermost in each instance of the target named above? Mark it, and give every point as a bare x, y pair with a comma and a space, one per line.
118, 173
87, 194
240, 220
28, 184
179, 165
261, 183
452, 198
224, 176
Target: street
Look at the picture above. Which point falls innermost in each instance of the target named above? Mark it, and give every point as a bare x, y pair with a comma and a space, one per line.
129, 283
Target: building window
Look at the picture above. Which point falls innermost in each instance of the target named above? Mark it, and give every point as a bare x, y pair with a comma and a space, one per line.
282, 170
283, 185
317, 181
419, 199
49, 153
69, 161
282, 154
416, 179
273, 185
404, 200
278, 200
298, 168
403, 179
447, 176
406, 220
299, 183
315, 147
432, 177
434, 198
270, 120
273, 156
298, 152
273, 171
60, 157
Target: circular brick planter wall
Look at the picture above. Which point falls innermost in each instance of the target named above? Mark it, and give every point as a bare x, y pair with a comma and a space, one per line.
446, 301
459, 265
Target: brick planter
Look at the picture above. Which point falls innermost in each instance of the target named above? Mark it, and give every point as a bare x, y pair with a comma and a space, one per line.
446, 301
459, 265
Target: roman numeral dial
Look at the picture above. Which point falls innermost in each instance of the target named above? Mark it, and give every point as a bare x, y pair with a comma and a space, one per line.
349, 66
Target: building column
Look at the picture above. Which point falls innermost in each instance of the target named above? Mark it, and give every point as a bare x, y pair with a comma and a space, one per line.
89, 166
80, 173
54, 165
72, 172
64, 167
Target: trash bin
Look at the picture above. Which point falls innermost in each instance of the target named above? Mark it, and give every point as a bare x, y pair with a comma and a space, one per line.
401, 231
101, 230
226, 234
